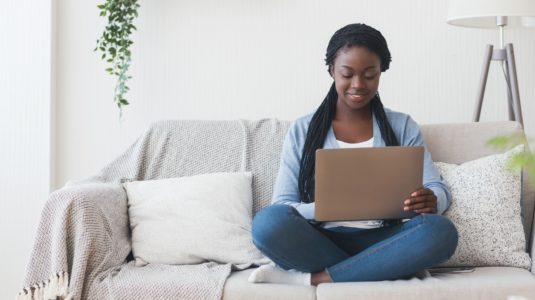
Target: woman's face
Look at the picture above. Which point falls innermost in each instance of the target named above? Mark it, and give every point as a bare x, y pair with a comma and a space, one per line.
356, 72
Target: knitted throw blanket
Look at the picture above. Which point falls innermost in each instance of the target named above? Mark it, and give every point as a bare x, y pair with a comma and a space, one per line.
82, 245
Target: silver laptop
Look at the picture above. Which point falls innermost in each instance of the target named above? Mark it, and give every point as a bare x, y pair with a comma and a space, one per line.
366, 183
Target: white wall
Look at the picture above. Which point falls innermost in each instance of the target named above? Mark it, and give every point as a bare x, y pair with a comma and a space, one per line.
25, 130
252, 59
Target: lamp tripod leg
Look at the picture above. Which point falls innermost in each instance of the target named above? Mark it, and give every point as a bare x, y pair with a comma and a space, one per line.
513, 84
510, 105
482, 83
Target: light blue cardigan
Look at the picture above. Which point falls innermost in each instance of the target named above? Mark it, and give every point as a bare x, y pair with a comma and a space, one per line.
286, 189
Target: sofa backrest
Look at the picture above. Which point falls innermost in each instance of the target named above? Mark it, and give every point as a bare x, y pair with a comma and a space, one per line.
184, 148
178, 148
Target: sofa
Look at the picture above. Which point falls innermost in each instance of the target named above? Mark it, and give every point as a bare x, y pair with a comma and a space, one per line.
83, 251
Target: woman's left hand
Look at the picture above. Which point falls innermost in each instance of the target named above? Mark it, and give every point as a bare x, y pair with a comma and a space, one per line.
421, 201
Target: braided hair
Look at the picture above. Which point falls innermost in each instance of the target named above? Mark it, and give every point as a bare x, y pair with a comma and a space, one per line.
351, 35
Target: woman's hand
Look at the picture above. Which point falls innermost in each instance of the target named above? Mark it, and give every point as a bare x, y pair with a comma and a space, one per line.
421, 201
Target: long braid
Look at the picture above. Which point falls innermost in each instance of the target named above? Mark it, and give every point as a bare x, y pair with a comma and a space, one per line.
386, 129
316, 134
348, 36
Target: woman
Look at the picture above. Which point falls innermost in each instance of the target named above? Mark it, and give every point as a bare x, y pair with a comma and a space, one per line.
351, 115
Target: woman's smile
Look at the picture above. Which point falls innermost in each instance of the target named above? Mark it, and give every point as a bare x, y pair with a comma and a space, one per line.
356, 97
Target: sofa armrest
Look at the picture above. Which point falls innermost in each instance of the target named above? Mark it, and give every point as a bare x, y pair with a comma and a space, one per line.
83, 231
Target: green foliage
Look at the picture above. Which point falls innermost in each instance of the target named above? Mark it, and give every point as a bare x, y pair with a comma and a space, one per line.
520, 160
114, 44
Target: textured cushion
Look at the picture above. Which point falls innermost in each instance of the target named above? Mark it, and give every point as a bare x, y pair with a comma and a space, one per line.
486, 211
489, 283
189, 220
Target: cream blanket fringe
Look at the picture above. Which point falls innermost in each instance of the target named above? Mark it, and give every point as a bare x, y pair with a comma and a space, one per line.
54, 288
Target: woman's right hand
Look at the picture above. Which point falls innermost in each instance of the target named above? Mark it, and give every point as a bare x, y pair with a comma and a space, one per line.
421, 201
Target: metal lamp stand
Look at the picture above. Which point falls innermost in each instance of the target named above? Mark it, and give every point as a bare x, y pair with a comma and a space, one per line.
507, 58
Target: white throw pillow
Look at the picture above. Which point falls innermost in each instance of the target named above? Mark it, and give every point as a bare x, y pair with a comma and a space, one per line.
190, 220
486, 211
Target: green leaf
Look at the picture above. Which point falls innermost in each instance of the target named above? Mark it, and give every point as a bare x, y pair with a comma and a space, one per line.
504, 142
523, 160
500, 142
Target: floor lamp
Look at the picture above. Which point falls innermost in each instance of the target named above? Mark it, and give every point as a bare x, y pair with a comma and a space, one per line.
495, 14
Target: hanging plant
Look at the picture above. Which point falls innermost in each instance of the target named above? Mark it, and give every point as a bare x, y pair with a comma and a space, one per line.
114, 44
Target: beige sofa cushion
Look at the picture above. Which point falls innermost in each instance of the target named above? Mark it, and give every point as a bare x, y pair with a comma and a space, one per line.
487, 283
237, 287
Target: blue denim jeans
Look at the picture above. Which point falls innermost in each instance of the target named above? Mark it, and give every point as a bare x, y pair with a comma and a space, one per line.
353, 254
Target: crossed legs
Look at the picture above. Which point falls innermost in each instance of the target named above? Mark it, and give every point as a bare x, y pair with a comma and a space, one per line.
350, 254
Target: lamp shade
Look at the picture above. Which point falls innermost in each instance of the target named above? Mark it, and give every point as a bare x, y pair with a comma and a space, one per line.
483, 13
